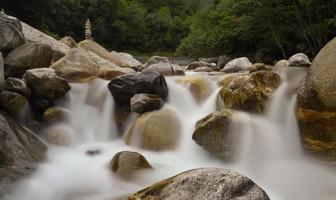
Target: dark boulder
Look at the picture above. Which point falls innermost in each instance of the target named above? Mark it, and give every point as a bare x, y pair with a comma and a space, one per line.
123, 88
18, 86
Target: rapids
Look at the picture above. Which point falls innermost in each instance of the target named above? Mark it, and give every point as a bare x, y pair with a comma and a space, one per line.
268, 146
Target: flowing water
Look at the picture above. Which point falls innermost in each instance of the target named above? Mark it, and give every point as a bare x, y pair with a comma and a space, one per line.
268, 146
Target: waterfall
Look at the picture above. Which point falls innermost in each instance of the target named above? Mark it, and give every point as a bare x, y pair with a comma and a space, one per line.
269, 149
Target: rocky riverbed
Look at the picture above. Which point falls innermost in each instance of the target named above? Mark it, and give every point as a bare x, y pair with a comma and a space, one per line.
80, 122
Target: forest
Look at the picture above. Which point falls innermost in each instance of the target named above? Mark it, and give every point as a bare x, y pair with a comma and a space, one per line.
263, 30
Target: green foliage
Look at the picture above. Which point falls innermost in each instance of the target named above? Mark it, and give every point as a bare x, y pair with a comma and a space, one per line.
261, 29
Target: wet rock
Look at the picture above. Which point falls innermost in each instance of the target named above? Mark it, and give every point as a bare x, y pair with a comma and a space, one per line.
12, 102
68, 40
11, 35
203, 69
123, 88
18, 86
93, 47
198, 86
33, 35
77, 66
164, 69
141, 103
249, 92
20, 150
31, 55
157, 130
2, 73
238, 65
299, 60
60, 135
281, 65
205, 183
198, 64
126, 164
316, 106
56, 115
93, 152
154, 60
213, 134
45, 84
39, 106
225, 80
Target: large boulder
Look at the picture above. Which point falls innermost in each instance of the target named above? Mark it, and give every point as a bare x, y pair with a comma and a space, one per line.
77, 66
18, 86
123, 88
12, 102
95, 48
199, 86
33, 35
141, 103
237, 65
68, 40
126, 164
154, 60
11, 35
204, 183
316, 106
45, 84
127, 58
2, 73
213, 134
249, 92
299, 60
31, 55
20, 150
157, 130
165, 69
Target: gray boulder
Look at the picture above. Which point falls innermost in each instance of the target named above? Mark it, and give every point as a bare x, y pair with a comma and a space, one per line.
45, 84
141, 103
11, 35
238, 65
33, 35
154, 60
164, 69
201, 184
18, 86
299, 60
20, 150
31, 55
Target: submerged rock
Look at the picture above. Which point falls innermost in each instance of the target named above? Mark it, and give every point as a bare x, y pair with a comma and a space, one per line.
125, 164
17, 85
212, 133
56, 115
45, 84
123, 88
12, 102
156, 130
316, 106
249, 92
68, 40
299, 60
60, 135
199, 86
11, 35
20, 150
33, 35
141, 103
201, 184
238, 65
31, 55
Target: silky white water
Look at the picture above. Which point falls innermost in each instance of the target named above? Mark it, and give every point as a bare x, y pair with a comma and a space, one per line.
268, 149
